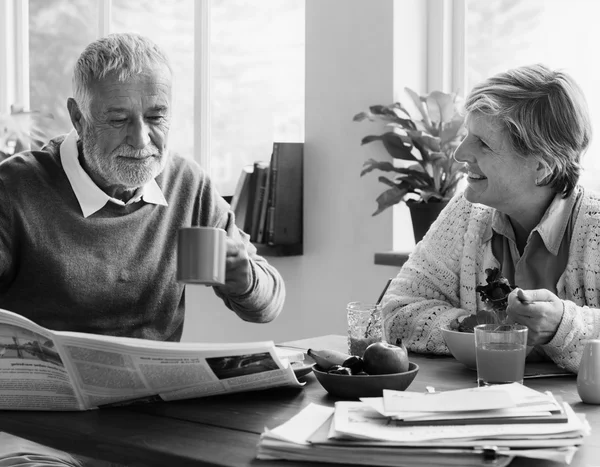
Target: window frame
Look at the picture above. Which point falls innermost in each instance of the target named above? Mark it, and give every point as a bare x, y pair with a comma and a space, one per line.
446, 46
445, 61
14, 57
14, 54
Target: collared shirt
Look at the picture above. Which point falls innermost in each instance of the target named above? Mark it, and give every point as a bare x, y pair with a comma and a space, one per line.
90, 197
546, 252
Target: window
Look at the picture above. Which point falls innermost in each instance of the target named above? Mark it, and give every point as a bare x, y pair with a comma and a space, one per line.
255, 69
505, 34
256, 82
58, 32
171, 25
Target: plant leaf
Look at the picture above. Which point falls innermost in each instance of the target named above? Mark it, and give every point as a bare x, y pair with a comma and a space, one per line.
409, 177
431, 142
417, 167
403, 123
25, 127
387, 181
359, 117
393, 113
420, 175
389, 198
438, 158
394, 145
428, 195
373, 164
419, 105
376, 113
450, 129
440, 106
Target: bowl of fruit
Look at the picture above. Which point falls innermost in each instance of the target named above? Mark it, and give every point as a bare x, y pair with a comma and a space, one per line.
382, 366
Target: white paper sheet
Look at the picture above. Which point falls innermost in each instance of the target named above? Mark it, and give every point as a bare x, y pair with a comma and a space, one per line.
358, 420
521, 399
298, 428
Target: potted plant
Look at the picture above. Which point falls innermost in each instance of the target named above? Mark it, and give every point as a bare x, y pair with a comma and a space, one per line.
21, 130
428, 176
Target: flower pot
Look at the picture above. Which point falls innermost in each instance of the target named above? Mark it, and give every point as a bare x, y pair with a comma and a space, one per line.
423, 215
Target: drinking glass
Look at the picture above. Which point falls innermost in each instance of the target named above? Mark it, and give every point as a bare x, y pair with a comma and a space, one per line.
500, 350
364, 326
588, 377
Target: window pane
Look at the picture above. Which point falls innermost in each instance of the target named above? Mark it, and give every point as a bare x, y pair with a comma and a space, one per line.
58, 32
169, 23
257, 82
556, 33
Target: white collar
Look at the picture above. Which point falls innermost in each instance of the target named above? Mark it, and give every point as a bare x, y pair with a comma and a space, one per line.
551, 227
91, 198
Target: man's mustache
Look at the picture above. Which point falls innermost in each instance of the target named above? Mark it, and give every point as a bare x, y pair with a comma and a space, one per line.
125, 150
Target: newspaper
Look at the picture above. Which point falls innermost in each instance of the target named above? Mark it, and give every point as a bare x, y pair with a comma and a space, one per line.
42, 369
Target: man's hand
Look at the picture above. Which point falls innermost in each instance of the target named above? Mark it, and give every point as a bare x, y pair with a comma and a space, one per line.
238, 274
540, 310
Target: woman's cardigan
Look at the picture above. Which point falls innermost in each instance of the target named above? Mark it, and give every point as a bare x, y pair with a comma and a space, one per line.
437, 283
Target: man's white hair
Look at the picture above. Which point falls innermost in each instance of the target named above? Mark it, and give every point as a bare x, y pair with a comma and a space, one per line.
123, 55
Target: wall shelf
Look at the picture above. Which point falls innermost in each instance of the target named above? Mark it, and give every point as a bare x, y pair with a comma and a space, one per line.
391, 258
279, 250
268, 201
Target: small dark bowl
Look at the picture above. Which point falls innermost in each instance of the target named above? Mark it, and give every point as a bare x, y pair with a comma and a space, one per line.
355, 386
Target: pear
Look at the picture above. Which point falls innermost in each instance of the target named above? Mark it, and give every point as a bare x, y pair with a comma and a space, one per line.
327, 358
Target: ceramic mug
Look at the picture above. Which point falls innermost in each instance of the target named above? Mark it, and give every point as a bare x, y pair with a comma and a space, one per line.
201, 255
588, 376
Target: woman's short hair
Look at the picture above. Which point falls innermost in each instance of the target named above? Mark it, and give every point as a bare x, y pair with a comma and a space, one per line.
124, 55
546, 116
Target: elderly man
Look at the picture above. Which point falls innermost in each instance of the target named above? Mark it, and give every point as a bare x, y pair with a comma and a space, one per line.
88, 225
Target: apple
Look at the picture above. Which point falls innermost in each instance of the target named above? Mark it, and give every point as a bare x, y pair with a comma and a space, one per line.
381, 358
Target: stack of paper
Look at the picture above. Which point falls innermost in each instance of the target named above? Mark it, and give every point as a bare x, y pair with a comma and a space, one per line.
465, 427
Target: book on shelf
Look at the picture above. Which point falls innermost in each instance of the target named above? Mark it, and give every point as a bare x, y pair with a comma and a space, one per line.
260, 173
241, 196
365, 433
41, 369
284, 204
262, 216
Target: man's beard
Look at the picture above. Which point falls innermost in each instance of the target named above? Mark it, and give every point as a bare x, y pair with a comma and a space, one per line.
124, 166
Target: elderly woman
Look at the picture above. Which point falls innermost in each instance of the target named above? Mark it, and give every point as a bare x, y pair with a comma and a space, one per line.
522, 212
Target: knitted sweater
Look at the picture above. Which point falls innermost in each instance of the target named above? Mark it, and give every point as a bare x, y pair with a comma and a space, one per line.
113, 272
437, 283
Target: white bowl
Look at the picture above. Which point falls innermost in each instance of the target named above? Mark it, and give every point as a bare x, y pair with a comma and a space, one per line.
462, 346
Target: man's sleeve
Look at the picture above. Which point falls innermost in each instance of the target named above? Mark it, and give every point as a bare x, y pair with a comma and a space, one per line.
7, 235
263, 301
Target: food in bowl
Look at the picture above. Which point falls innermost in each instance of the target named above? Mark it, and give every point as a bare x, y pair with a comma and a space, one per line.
355, 386
379, 358
459, 335
382, 366
494, 295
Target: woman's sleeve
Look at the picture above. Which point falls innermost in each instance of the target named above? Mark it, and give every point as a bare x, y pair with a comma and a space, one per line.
578, 324
424, 296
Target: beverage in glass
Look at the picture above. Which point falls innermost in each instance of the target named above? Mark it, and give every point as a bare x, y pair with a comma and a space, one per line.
500, 350
364, 326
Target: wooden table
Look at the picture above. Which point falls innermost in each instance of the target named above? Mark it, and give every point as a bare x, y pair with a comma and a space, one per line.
224, 430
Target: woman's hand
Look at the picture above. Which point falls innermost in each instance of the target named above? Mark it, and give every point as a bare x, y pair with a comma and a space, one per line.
540, 310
